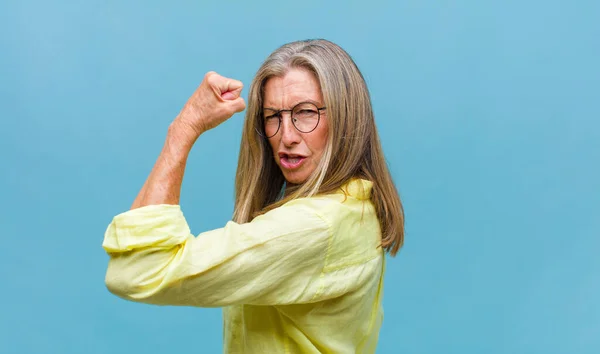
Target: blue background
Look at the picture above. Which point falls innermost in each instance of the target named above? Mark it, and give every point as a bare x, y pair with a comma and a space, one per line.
489, 113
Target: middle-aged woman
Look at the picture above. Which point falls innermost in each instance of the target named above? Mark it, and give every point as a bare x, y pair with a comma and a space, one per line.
300, 267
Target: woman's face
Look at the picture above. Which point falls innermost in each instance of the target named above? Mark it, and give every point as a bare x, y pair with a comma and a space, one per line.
296, 153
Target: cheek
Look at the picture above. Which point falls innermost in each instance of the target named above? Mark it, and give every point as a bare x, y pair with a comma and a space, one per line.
318, 142
274, 144
321, 137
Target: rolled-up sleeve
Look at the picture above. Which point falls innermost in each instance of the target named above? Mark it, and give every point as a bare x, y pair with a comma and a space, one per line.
278, 258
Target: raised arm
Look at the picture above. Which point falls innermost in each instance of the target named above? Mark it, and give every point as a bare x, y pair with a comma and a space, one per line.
214, 101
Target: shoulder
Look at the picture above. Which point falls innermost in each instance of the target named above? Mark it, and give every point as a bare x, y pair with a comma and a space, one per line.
352, 223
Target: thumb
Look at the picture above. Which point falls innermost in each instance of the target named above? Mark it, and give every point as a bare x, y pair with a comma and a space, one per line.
229, 96
231, 89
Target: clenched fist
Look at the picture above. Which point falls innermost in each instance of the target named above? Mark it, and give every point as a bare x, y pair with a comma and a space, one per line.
214, 101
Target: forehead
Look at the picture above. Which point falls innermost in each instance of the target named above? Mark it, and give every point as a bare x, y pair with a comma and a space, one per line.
297, 85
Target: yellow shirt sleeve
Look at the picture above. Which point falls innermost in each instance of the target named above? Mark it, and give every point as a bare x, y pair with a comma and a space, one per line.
278, 258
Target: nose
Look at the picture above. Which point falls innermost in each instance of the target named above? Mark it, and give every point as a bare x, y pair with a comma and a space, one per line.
289, 135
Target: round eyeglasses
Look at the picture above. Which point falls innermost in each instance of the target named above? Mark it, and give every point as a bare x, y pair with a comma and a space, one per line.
305, 118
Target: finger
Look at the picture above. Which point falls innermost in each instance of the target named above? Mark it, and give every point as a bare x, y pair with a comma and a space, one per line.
229, 96
226, 89
238, 104
217, 82
223, 83
233, 90
234, 87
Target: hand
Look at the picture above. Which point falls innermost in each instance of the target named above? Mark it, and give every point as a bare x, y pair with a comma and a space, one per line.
214, 101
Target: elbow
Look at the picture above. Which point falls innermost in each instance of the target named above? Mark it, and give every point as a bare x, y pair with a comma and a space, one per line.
119, 282
130, 283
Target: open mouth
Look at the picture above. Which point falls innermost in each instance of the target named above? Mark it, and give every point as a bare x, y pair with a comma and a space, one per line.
291, 161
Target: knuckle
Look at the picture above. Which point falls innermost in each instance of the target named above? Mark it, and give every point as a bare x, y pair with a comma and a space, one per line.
210, 76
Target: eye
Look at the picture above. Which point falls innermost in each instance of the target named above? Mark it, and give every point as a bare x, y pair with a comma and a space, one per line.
272, 117
305, 110
305, 113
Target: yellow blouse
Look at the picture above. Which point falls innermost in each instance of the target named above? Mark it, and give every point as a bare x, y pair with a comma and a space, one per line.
306, 277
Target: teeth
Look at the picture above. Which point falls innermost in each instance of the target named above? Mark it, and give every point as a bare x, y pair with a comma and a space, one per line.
293, 159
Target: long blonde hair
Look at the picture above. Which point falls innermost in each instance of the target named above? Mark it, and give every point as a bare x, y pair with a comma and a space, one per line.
353, 148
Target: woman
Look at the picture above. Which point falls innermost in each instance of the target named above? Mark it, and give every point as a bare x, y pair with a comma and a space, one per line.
300, 267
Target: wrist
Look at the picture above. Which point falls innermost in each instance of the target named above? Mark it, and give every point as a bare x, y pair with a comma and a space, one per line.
180, 139
188, 121
183, 131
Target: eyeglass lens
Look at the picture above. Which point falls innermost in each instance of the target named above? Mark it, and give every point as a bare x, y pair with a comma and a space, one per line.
305, 117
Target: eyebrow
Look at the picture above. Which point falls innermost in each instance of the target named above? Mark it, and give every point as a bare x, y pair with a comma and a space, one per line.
295, 104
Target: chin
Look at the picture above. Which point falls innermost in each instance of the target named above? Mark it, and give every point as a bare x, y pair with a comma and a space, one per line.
295, 180
295, 177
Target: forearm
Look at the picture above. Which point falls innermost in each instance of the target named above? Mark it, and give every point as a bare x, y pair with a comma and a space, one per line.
163, 185
138, 199
214, 101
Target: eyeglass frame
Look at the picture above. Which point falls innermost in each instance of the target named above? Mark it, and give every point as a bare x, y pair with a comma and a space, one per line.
278, 112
